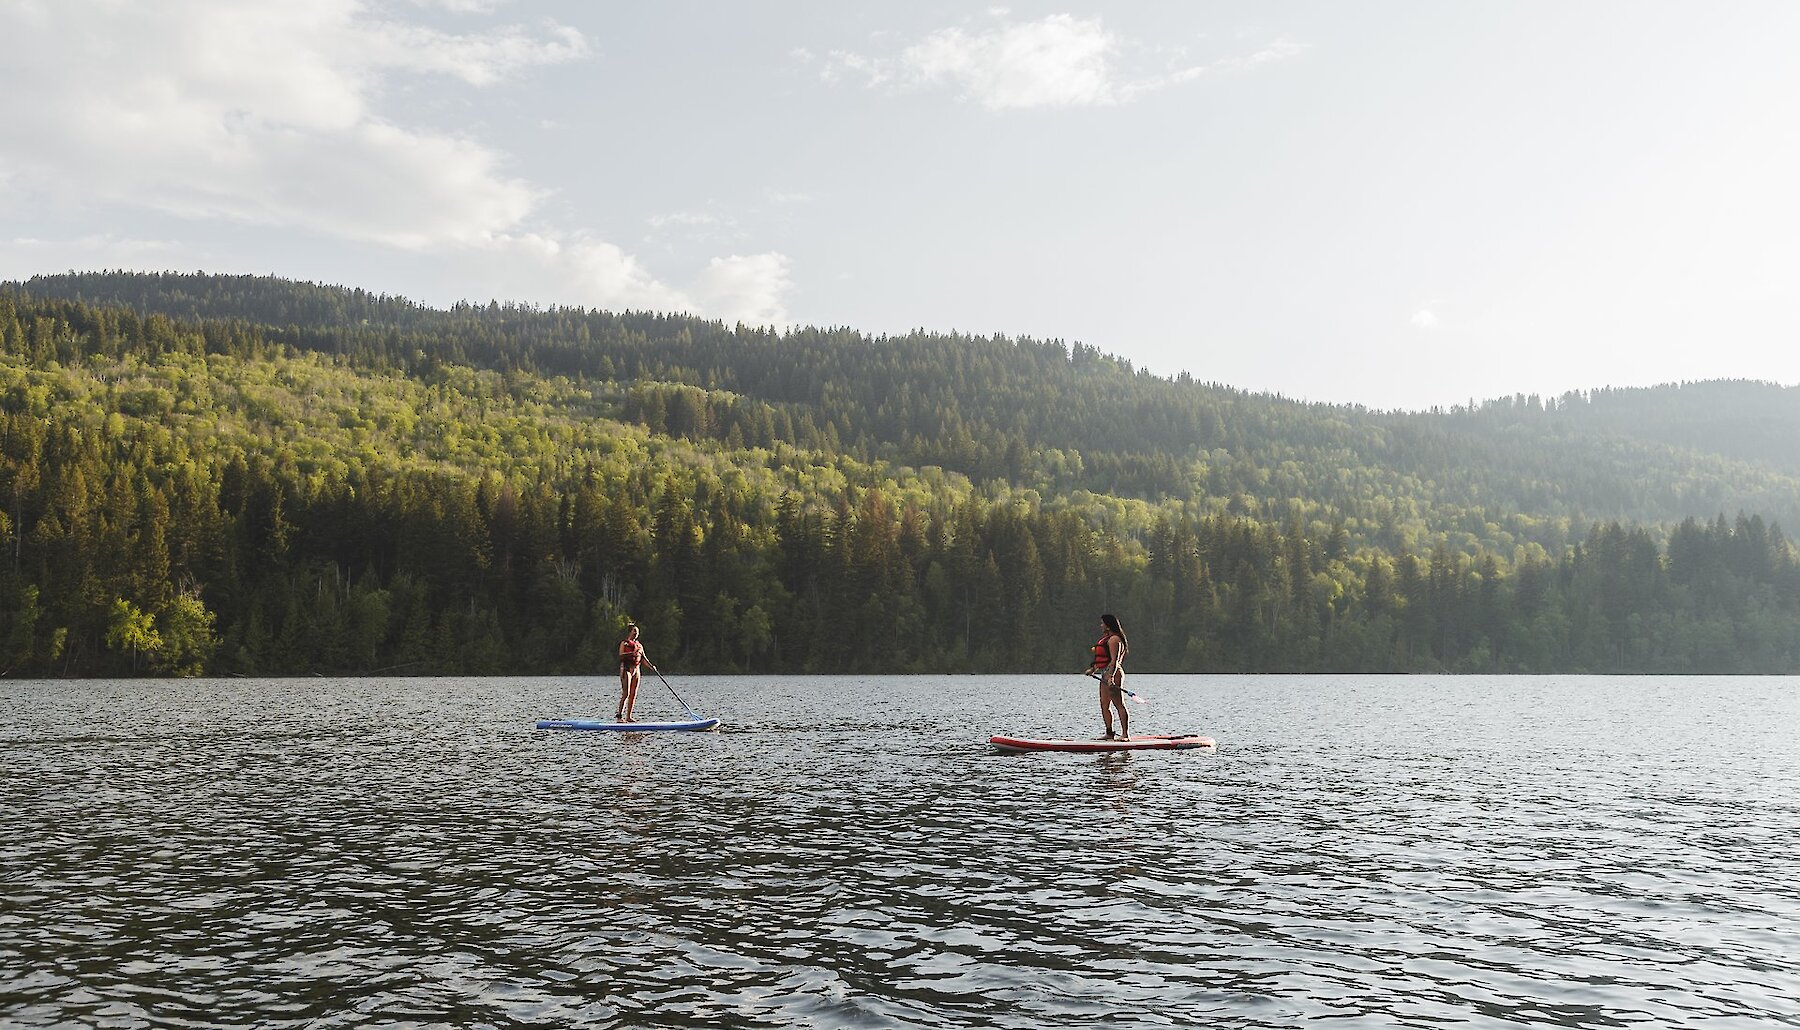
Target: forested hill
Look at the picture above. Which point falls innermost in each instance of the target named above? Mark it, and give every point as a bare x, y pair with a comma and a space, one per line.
1061, 418
228, 473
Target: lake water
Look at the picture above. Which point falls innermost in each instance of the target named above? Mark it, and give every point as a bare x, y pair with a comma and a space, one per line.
850, 852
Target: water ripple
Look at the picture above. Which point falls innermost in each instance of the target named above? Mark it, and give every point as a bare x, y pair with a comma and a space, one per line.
1581, 853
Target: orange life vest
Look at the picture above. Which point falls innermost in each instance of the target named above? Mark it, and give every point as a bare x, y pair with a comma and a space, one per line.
1102, 653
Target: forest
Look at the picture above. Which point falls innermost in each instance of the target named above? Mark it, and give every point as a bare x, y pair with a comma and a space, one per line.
235, 475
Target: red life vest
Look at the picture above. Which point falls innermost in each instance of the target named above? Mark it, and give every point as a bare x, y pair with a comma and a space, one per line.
1102, 653
631, 653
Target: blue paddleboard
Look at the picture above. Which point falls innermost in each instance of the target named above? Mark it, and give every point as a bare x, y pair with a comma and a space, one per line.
626, 727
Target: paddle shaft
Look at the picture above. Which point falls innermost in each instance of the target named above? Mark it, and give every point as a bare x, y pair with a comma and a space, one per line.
665, 682
1122, 688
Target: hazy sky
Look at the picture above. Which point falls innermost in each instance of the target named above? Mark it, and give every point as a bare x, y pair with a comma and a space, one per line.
1389, 203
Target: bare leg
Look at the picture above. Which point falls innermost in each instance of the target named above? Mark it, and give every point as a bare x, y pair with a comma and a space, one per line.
624, 689
1112, 696
631, 695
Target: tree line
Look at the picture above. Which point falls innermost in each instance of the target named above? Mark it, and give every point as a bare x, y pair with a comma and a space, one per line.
187, 495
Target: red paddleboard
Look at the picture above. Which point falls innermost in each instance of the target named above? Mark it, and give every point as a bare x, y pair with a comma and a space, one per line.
1151, 742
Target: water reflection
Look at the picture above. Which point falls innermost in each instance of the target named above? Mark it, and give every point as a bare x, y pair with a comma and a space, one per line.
1114, 778
412, 853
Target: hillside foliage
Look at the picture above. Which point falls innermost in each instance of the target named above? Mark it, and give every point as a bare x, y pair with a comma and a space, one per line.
208, 474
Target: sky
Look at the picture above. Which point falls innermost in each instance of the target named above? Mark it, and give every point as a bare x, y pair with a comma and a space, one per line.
1398, 204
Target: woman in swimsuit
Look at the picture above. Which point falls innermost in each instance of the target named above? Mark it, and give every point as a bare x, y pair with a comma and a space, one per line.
631, 655
1109, 668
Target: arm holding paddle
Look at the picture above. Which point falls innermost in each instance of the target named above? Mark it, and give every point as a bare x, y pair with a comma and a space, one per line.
1095, 673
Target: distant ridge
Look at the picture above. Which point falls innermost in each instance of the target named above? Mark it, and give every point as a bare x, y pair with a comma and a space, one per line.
1041, 393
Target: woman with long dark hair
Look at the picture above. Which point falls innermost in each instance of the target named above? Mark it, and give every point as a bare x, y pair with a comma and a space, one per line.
1109, 668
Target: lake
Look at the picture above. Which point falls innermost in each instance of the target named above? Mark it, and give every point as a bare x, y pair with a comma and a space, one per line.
1371, 851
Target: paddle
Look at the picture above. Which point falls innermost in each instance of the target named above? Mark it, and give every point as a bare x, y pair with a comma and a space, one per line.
1132, 694
678, 700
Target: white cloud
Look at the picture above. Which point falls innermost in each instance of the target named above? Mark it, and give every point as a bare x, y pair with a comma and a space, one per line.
477, 60
1425, 318
258, 113
547, 270
574, 270
270, 115
842, 64
462, 6
745, 289
1056, 61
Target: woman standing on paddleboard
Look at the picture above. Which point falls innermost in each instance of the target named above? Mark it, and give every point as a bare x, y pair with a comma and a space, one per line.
631, 655
1109, 668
